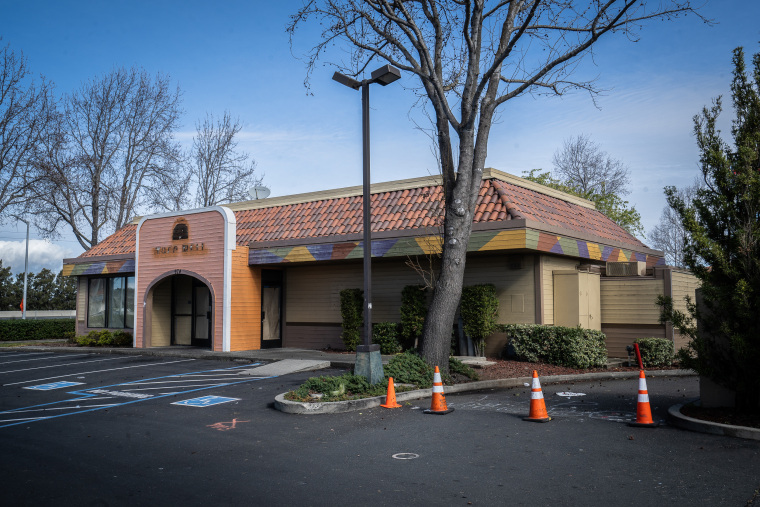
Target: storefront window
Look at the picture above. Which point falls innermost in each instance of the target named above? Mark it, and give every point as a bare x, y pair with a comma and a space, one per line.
111, 302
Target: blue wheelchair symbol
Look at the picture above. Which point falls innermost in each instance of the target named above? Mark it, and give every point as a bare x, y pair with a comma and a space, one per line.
205, 401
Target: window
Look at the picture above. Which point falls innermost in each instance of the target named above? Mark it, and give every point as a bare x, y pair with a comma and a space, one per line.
111, 302
180, 231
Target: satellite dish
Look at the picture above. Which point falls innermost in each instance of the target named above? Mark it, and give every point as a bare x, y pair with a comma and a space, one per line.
259, 192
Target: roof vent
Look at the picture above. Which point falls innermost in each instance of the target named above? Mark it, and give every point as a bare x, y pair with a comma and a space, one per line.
634, 268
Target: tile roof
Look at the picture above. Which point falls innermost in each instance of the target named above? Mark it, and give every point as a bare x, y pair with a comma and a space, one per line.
399, 210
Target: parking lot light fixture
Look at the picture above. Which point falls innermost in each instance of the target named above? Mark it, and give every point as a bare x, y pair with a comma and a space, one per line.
368, 360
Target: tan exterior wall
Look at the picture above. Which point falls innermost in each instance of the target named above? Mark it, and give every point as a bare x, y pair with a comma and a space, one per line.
550, 264
619, 336
312, 296
246, 303
631, 300
161, 312
683, 283
206, 229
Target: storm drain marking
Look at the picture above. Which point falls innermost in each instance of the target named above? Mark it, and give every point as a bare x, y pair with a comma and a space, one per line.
205, 401
80, 405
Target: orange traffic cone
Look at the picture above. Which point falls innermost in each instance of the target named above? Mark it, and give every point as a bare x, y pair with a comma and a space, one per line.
390, 398
537, 406
438, 406
643, 412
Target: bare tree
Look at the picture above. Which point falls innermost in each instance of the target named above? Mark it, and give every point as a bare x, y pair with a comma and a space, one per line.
115, 138
470, 56
222, 173
25, 113
669, 235
583, 165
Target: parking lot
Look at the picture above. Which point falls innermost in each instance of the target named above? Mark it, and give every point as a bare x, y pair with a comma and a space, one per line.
96, 429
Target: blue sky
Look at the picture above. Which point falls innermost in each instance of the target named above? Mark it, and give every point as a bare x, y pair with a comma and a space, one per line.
234, 55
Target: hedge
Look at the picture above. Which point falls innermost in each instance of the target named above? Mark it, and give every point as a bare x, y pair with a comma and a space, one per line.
656, 351
44, 329
573, 347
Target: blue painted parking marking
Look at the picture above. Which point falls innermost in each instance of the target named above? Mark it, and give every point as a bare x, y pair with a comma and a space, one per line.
205, 401
54, 385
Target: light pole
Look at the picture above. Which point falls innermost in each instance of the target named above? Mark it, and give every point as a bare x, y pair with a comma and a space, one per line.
368, 360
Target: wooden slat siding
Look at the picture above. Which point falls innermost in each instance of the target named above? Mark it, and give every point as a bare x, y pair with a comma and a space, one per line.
684, 283
312, 336
161, 331
550, 264
630, 300
619, 336
313, 292
246, 303
206, 228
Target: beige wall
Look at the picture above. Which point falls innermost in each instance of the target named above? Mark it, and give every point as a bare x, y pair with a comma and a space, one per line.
683, 283
550, 264
161, 313
631, 300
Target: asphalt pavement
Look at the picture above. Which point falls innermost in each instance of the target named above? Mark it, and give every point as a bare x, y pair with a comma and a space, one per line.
157, 430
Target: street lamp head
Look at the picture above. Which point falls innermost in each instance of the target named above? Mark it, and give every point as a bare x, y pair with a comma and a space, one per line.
347, 81
385, 75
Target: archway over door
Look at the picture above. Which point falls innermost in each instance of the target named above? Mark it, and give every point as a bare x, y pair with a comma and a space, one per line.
179, 311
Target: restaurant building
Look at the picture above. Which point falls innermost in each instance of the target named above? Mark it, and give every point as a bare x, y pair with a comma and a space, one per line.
268, 273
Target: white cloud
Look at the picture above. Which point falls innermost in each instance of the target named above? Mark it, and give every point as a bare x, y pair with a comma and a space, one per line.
42, 254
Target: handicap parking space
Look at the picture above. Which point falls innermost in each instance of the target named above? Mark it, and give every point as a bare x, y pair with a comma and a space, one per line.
39, 387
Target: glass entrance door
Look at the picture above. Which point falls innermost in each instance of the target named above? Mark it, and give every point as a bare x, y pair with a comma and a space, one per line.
201, 315
271, 309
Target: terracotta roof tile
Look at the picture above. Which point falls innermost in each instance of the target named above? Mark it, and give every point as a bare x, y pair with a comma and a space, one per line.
399, 210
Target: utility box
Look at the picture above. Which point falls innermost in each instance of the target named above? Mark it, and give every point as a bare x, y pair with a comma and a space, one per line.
577, 299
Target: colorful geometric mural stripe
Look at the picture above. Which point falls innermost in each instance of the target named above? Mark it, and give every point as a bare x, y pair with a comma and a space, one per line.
480, 241
99, 268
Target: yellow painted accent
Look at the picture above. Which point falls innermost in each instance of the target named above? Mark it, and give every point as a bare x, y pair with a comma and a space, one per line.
67, 269
299, 254
430, 244
506, 240
593, 251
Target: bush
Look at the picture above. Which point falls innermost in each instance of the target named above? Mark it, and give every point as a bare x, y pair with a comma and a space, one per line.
413, 311
104, 338
43, 329
457, 366
656, 351
351, 311
385, 334
573, 347
409, 368
340, 388
479, 308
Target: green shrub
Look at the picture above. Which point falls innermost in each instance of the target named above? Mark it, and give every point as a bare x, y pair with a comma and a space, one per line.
457, 366
413, 311
409, 368
656, 351
573, 347
479, 308
385, 334
104, 338
351, 311
42, 329
340, 388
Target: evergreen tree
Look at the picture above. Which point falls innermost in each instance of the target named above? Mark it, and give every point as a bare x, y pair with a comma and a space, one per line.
723, 243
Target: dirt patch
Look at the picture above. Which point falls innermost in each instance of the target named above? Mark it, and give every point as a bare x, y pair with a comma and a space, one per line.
721, 415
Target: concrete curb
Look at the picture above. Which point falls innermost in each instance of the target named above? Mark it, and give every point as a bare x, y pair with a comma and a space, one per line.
339, 407
679, 420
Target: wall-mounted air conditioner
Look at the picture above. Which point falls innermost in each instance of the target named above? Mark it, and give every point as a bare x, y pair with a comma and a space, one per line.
633, 268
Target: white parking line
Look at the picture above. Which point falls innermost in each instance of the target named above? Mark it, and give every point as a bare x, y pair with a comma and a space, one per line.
60, 365
54, 356
157, 388
96, 371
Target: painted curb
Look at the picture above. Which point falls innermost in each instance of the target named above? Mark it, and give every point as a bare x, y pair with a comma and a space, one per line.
676, 418
339, 407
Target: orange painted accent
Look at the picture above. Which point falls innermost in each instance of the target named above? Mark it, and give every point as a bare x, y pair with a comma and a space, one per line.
390, 398
245, 303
